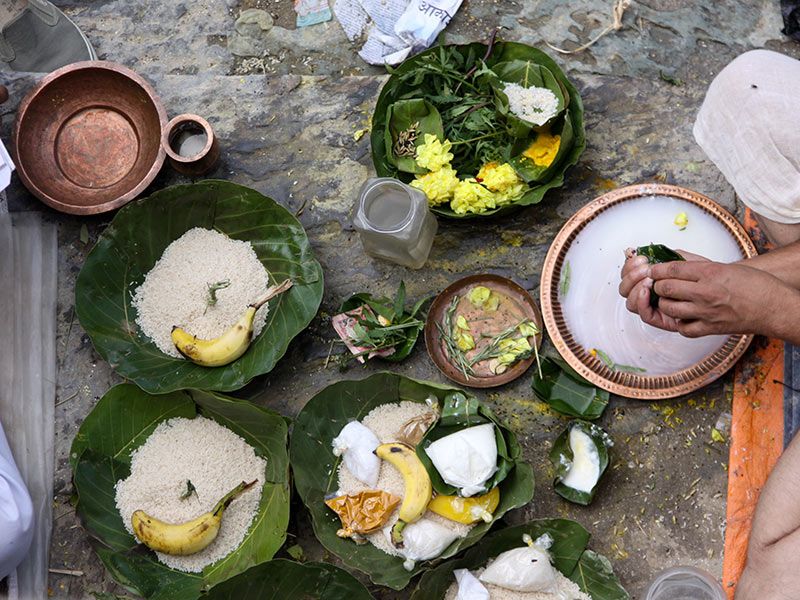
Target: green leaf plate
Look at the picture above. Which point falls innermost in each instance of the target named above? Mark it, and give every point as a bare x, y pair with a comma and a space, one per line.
122, 421
135, 240
561, 457
565, 391
590, 571
315, 469
286, 580
395, 90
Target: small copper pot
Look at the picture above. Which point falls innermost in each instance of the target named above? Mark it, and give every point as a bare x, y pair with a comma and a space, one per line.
187, 132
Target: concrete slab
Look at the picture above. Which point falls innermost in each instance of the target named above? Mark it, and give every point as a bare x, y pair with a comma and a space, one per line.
287, 121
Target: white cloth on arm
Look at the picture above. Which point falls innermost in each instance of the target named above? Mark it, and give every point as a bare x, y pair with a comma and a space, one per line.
16, 512
748, 126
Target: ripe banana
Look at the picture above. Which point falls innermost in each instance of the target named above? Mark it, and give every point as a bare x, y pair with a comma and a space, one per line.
231, 344
418, 489
183, 538
466, 510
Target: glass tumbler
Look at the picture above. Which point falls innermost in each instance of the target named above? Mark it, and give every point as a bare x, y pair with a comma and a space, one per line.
394, 222
684, 583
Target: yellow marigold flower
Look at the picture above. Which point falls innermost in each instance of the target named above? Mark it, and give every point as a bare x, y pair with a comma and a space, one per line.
438, 186
510, 194
433, 154
544, 150
682, 220
471, 196
497, 177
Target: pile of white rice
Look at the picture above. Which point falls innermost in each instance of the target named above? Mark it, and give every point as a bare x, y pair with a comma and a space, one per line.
566, 590
175, 291
533, 104
215, 460
385, 421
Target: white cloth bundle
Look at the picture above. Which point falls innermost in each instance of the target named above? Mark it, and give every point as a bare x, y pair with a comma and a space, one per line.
466, 459
356, 445
747, 126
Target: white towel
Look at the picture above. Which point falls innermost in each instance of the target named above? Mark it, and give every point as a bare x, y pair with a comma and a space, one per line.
748, 127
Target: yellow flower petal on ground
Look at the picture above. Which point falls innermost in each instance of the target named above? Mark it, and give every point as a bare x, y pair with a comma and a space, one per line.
497, 177
471, 197
433, 154
544, 150
438, 186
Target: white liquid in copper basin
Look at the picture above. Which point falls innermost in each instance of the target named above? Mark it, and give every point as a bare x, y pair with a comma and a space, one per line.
594, 311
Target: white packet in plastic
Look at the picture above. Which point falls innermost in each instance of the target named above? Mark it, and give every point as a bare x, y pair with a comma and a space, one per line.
469, 588
423, 20
356, 444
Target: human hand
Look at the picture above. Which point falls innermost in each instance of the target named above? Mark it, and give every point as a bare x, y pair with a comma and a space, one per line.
700, 298
636, 284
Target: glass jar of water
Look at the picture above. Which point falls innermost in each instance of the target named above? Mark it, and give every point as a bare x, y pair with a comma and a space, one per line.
394, 222
684, 583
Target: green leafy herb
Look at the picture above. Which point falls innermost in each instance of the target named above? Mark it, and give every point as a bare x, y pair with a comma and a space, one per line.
464, 86
561, 456
190, 489
387, 323
446, 329
213, 288
658, 253
565, 391
566, 276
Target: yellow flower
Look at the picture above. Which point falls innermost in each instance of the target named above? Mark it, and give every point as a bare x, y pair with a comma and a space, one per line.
438, 186
682, 220
433, 154
510, 194
513, 349
544, 150
528, 329
471, 196
461, 323
464, 341
479, 295
497, 177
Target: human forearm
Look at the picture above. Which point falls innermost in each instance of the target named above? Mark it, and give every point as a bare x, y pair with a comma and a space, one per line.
783, 318
783, 263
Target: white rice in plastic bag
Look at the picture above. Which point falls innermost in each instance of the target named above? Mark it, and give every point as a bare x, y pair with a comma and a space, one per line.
466, 459
356, 445
469, 588
525, 569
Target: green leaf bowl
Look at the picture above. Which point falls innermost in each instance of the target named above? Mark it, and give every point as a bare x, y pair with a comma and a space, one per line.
101, 452
287, 580
135, 240
592, 572
315, 469
395, 90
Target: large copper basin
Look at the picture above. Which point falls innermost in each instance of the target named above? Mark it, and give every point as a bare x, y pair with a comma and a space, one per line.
87, 138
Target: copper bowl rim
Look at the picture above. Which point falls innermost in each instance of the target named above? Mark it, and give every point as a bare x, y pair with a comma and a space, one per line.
130, 194
436, 353
632, 385
179, 120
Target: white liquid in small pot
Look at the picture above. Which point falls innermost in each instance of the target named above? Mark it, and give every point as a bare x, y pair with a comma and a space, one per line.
594, 311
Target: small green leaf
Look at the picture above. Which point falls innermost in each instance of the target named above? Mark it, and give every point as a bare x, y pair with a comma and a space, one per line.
190, 489
566, 277
670, 79
297, 552
561, 456
415, 117
84, 234
656, 254
567, 392
595, 576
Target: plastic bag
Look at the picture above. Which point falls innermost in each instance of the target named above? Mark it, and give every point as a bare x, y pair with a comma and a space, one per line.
356, 444
466, 459
469, 588
525, 569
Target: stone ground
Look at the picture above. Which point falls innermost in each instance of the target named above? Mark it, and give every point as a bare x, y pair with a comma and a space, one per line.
286, 119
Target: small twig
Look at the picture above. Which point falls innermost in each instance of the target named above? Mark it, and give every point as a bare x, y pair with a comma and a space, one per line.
786, 385
66, 572
60, 402
617, 13
489, 48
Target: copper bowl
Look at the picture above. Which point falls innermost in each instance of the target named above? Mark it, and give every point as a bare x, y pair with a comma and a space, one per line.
436, 313
632, 385
87, 138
